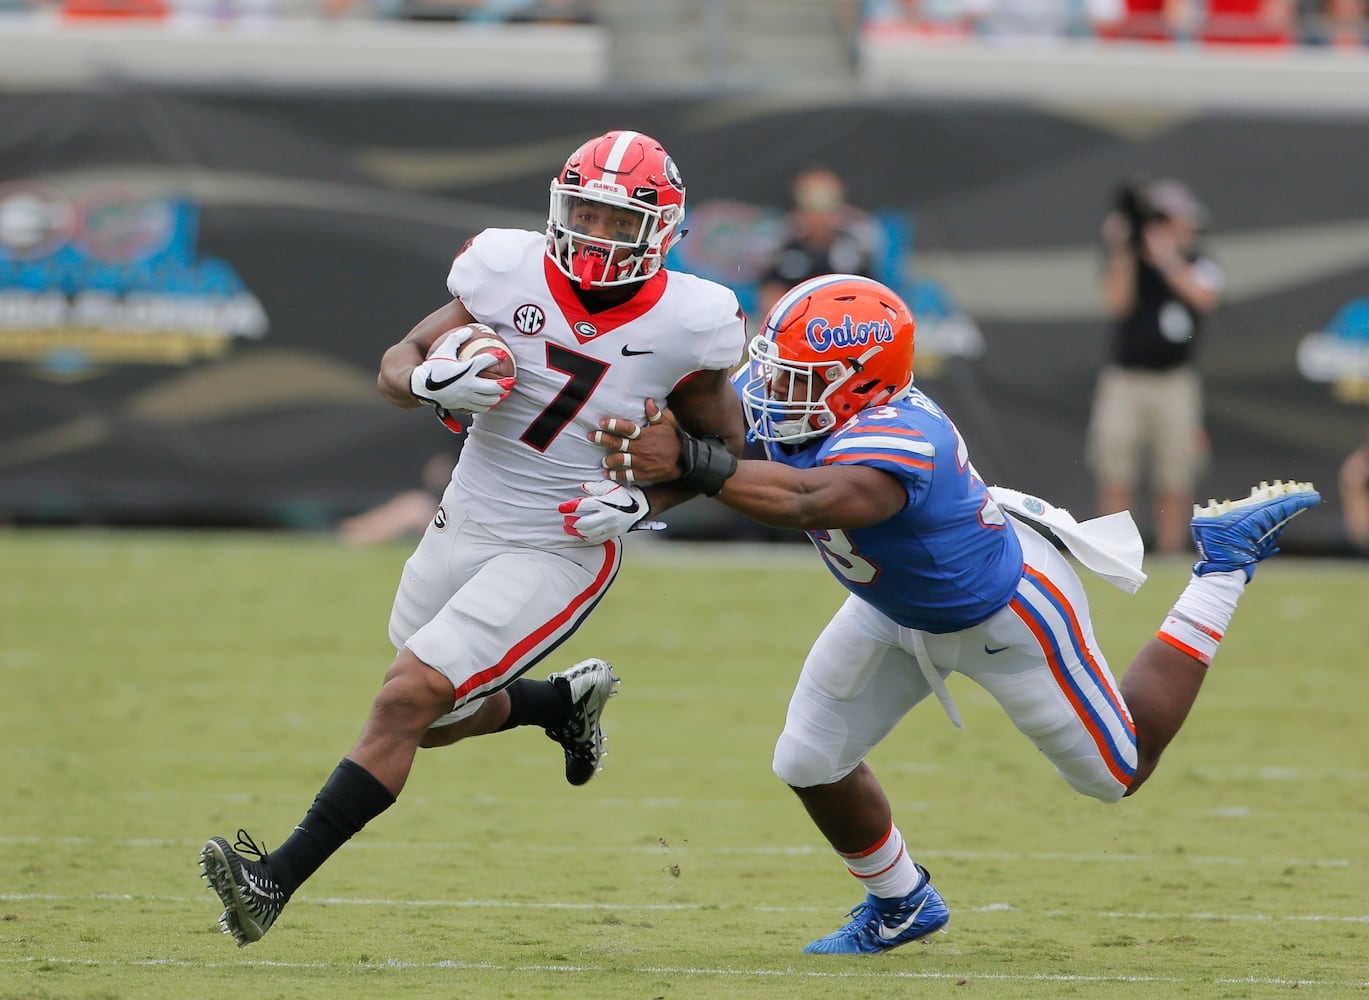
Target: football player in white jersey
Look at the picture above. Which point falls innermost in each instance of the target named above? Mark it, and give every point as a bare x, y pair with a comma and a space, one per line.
940, 580
594, 322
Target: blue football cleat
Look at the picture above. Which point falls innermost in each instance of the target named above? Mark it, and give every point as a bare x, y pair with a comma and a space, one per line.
880, 924
1237, 534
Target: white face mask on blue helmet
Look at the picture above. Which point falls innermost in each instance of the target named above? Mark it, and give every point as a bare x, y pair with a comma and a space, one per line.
796, 408
831, 347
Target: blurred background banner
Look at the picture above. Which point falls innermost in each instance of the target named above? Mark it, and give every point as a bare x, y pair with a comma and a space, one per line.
197, 282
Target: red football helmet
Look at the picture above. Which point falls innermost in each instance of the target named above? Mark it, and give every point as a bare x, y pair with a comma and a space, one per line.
830, 347
616, 208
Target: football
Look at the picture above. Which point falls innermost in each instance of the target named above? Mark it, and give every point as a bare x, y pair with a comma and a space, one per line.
482, 340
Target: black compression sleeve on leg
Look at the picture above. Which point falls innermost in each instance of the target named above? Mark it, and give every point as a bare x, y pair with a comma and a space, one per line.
350, 799
535, 703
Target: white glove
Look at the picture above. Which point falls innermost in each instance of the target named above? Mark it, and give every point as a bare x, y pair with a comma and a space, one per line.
450, 384
607, 511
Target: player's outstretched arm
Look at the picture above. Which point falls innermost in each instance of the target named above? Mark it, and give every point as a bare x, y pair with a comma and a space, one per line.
822, 498
838, 496
399, 361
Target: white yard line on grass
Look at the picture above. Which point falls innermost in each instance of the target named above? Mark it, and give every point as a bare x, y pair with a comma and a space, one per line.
505, 904
795, 850
874, 974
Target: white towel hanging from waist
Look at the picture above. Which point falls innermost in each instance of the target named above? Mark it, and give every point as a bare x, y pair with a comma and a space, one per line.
1110, 546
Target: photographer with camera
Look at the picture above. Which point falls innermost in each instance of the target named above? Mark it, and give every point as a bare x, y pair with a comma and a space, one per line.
1157, 288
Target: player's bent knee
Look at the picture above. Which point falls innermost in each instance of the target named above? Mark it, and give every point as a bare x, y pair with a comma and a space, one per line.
1089, 777
413, 694
440, 736
1102, 773
801, 766
1109, 794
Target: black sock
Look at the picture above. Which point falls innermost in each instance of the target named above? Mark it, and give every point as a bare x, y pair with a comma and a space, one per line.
350, 799
536, 703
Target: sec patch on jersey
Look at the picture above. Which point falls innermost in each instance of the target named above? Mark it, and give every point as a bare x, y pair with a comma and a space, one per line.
472, 340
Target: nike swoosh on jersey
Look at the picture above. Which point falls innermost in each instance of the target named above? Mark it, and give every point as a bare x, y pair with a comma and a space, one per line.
630, 353
889, 933
992, 651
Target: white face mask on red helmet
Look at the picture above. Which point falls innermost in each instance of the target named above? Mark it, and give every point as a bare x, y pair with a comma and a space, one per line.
630, 178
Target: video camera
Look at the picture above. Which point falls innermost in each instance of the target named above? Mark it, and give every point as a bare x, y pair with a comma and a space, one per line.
1136, 207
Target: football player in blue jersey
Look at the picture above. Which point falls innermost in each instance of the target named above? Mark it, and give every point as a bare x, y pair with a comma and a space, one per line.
940, 580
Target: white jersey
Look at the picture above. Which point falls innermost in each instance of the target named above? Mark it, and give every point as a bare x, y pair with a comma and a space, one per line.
531, 452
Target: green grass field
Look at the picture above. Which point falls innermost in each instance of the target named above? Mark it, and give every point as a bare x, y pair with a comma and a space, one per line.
159, 688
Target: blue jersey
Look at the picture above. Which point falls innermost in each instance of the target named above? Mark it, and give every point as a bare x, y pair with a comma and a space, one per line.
949, 559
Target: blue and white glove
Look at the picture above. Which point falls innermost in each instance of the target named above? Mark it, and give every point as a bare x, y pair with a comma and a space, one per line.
449, 383
606, 511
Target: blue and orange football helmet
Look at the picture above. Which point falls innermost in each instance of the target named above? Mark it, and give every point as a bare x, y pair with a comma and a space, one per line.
830, 347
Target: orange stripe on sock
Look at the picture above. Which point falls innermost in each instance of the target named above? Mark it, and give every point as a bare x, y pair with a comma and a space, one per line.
878, 844
1179, 616
1184, 647
902, 851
